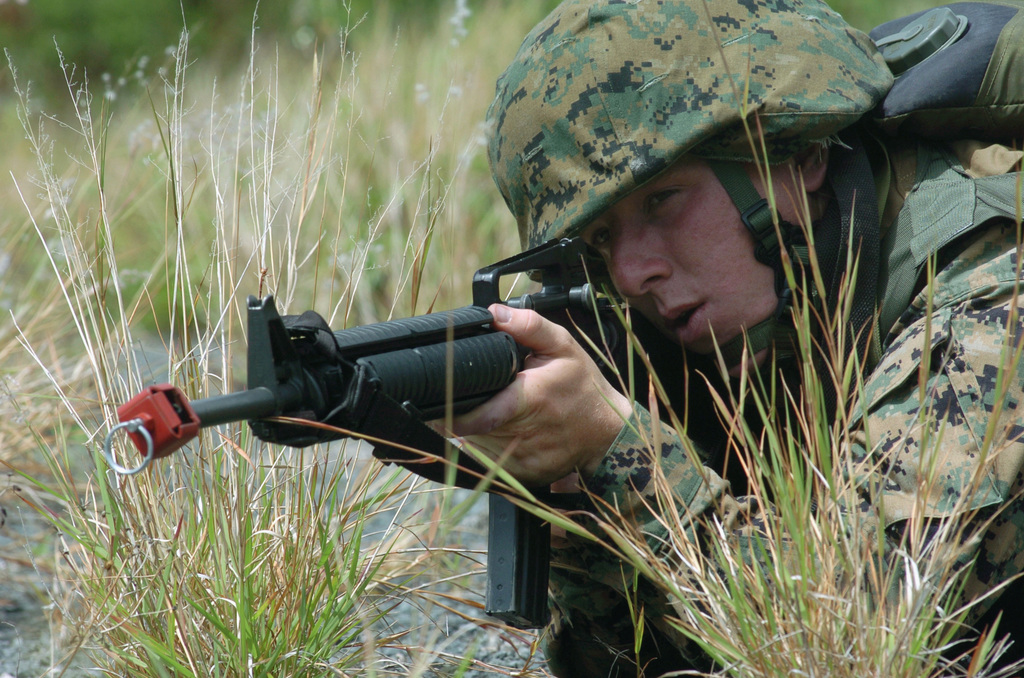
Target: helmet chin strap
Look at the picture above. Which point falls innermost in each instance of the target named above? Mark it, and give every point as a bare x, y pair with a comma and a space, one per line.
757, 216
847, 231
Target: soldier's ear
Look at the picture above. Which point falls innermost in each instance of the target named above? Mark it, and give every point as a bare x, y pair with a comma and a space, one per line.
812, 165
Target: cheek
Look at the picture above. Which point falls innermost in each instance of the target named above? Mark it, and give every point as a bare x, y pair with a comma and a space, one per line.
746, 287
616, 267
756, 285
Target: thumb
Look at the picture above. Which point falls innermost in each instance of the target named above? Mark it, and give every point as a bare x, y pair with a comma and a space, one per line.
529, 328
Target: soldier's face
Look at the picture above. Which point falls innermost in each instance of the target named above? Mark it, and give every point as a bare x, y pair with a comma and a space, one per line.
678, 251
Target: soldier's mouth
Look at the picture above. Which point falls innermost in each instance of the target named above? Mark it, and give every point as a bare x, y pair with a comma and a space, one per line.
685, 323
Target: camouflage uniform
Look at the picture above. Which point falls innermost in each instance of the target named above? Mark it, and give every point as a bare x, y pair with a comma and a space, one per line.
975, 317
603, 96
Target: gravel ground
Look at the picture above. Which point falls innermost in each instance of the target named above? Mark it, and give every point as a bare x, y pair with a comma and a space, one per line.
25, 648
458, 634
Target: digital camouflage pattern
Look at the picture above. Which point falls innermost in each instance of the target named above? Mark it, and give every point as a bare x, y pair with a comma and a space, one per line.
939, 434
604, 95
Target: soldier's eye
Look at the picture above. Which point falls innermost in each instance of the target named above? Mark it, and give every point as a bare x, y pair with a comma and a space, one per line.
599, 236
655, 199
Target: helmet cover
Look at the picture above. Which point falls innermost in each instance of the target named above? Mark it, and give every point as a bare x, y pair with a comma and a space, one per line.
605, 94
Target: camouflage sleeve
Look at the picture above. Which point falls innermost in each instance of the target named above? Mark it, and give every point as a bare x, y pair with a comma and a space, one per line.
940, 434
595, 597
634, 484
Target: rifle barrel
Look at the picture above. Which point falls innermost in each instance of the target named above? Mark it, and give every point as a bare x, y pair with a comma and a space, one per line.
249, 404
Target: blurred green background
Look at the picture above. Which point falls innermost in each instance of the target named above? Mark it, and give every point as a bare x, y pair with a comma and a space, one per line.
115, 40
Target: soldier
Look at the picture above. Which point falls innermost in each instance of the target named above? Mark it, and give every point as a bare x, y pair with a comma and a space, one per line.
636, 125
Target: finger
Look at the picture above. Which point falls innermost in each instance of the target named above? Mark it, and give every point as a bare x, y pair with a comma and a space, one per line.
559, 538
488, 416
570, 483
530, 329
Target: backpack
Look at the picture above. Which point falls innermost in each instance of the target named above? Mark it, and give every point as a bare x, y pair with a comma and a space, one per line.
959, 72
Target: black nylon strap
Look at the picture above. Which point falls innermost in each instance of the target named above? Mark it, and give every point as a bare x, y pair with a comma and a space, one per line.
853, 183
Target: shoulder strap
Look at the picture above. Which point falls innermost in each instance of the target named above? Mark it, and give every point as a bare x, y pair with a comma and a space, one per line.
945, 204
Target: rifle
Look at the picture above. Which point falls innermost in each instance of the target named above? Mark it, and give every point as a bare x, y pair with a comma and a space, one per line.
308, 384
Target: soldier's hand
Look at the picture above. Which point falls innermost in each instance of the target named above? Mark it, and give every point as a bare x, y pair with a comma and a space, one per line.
560, 415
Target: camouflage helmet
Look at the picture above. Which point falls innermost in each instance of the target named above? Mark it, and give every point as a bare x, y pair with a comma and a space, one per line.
605, 94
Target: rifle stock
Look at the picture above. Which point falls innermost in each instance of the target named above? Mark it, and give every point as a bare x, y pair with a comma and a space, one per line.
382, 382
